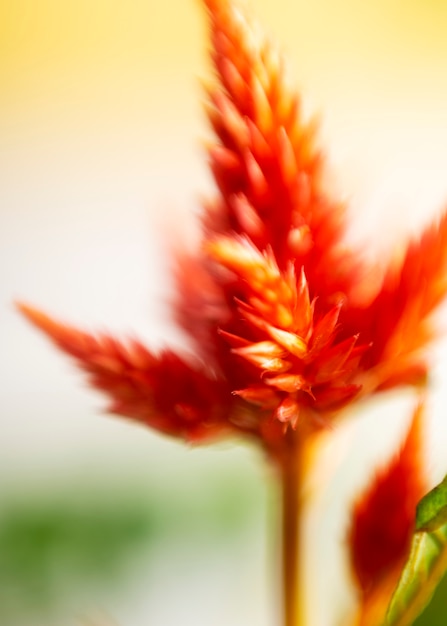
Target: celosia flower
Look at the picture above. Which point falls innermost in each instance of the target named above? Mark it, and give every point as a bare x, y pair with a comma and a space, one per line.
382, 525
286, 327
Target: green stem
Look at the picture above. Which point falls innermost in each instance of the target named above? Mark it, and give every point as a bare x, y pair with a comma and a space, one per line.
291, 533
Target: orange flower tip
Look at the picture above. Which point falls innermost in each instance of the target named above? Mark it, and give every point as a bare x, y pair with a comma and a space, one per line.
224, 158
287, 157
290, 383
267, 349
238, 254
259, 396
248, 219
258, 143
288, 412
302, 283
261, 104
37, 318
258, 182
232, 78
284, 316
325, 327
28, 311
234, 124
290, 341
266, 363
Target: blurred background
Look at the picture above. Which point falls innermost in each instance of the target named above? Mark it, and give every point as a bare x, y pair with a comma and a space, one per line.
102, 162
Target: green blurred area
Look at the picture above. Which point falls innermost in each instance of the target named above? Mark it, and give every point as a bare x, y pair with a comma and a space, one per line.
435, 613
61, 548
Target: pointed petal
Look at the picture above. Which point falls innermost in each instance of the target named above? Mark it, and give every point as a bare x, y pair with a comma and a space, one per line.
325, 328
288, 412
331, 363
334, 398
290, 383
291, 342
260, 396
265, 349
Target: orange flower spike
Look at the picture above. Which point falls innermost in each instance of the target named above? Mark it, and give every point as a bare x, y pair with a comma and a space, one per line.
273, 302
383, 522
267, 165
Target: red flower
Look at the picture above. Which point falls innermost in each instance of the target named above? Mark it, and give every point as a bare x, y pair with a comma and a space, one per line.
287, 329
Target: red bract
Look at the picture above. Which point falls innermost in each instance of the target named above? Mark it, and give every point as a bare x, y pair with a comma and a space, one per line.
286, 328
383, 522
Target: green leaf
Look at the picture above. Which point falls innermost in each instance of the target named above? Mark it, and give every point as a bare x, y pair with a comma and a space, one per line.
435, 612
431, 512
427, 561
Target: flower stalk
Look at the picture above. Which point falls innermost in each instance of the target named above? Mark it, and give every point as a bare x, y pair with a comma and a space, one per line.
292, 558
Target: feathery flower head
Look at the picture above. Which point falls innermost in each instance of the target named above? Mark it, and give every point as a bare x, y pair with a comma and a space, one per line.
284, 330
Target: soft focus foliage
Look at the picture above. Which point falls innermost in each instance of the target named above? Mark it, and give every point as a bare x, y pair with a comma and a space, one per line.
68, 552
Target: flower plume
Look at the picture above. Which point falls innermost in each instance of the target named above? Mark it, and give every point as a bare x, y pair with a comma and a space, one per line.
382, 523
273, 299
164, 392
